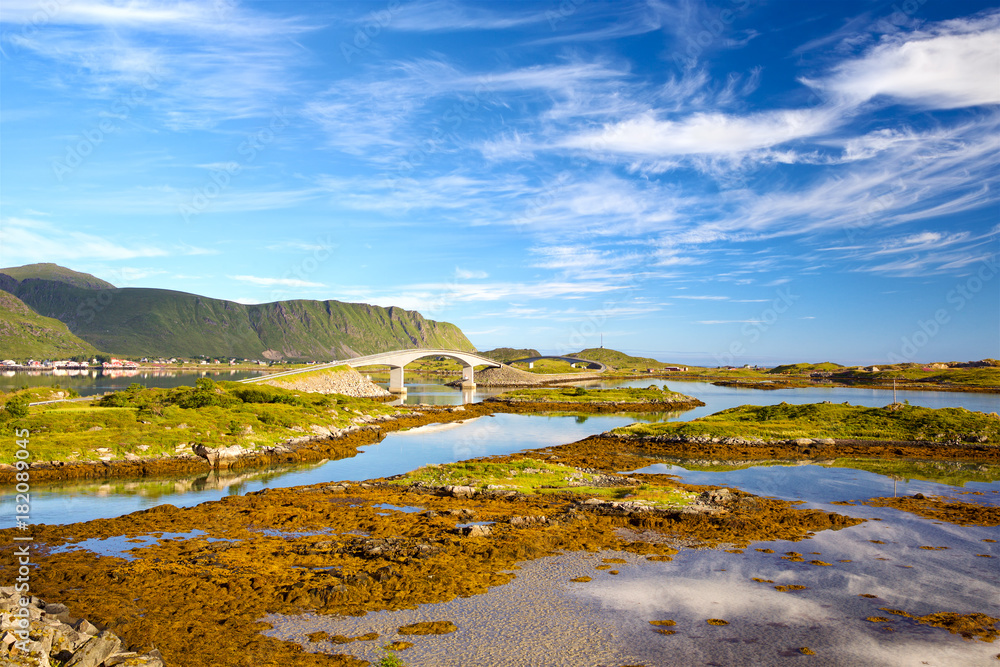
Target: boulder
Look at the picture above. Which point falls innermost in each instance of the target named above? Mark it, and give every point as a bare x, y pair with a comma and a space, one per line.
476, 531
460, 491
96, 651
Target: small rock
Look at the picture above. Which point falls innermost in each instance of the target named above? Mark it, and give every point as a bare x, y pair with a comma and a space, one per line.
86, 627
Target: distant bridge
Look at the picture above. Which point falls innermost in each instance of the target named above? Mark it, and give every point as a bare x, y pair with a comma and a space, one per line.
397, 361
593, 365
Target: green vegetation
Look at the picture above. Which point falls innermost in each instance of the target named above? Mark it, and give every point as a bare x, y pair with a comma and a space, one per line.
54, 272
308, 374
618, 360
156, 322
980, 377
821, 420
159, 422
390, 659
806, 368
582, 395
550, 367
530, 476
505, 355
25, 334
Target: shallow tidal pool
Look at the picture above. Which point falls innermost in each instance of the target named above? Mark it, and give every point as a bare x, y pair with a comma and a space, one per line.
777, 608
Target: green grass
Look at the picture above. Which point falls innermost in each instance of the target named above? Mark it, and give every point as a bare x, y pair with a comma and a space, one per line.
550, 366
818, 420
619, 360
530, 476
508, 354
988, 376
581, 395
153, 422
806, 368
307, 373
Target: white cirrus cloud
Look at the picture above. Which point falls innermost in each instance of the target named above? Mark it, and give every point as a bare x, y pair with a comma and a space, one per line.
954, 66
283, 282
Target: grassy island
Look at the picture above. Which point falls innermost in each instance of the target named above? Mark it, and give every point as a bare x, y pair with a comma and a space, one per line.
622, 398
896, 422
155, 423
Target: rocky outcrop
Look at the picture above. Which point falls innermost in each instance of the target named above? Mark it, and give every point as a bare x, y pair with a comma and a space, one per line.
347, 382
44, 634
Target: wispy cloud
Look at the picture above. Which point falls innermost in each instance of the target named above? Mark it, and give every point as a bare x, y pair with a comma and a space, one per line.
282, 282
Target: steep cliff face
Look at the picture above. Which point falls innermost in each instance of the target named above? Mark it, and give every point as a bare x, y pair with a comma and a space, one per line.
156, 322
26, 334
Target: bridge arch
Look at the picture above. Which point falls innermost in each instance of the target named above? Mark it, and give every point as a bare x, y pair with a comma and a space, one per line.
399, 359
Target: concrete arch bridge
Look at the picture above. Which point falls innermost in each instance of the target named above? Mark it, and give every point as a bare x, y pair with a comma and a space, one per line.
397, 360
588, 363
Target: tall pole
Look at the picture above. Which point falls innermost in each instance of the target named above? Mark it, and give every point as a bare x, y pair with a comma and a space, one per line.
893, 391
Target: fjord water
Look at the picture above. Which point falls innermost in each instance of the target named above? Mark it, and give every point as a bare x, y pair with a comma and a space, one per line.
73, 501
95, 382
906, 562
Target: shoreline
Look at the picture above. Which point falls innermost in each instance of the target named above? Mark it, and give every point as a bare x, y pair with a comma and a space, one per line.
309, 448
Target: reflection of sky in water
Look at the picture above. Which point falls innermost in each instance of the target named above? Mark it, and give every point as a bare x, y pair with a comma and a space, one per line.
817, 485
118, 546
543, 619
500, 434
399, 452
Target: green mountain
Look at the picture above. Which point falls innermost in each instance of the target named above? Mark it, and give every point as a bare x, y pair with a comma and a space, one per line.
617, 359
25, 334
505, 355
156, 322
57, 273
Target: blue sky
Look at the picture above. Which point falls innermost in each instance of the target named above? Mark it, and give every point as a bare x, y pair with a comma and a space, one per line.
728, 182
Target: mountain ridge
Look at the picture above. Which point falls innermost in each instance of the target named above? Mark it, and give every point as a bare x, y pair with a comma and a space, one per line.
139, 321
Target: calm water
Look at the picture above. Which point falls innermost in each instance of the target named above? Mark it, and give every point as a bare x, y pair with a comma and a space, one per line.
404, 451
606, 621
399, 452
94, 382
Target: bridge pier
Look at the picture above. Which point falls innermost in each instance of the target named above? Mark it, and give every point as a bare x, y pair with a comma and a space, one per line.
468, 377
396, 385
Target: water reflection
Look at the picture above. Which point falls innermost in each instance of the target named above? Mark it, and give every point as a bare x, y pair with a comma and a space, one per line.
607, 620
93, 382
